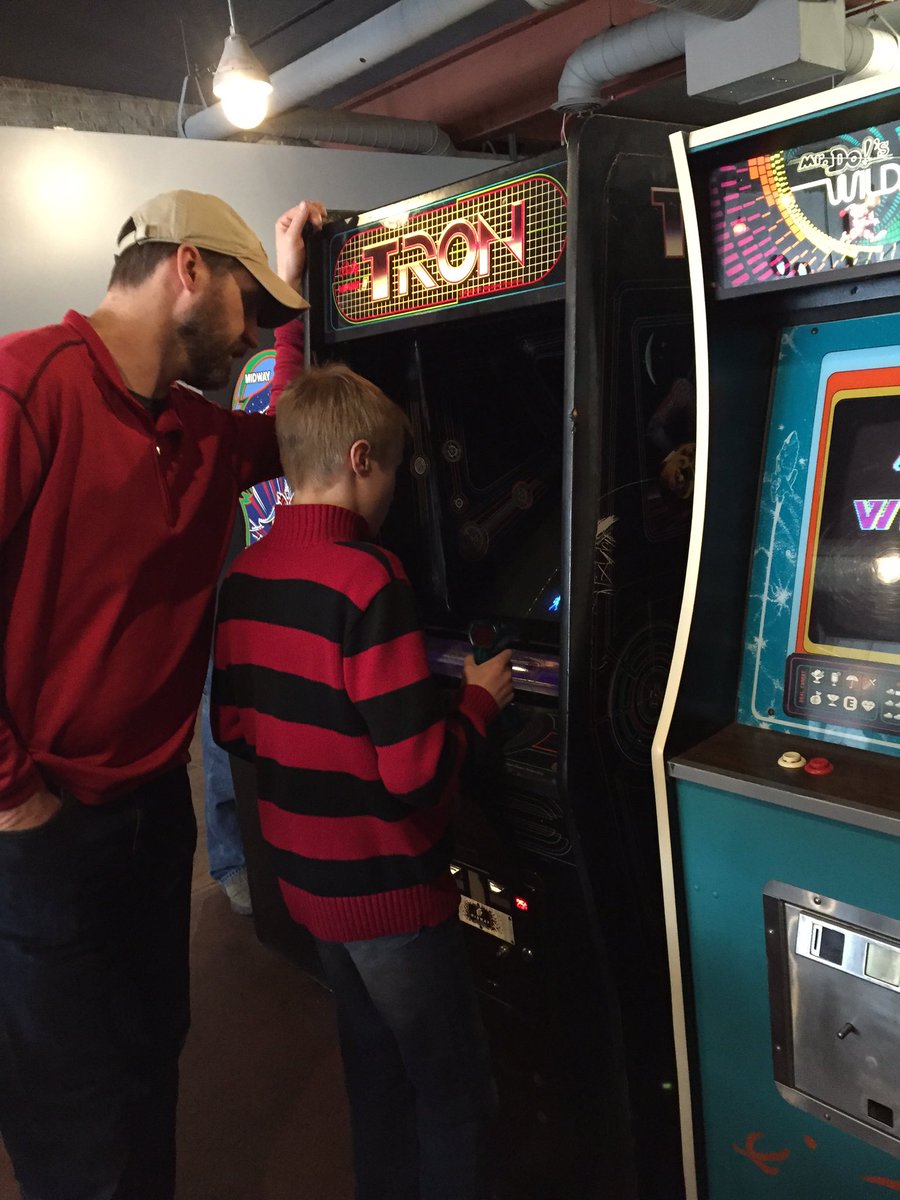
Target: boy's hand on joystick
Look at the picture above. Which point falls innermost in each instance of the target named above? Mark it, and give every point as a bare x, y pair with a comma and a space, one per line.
494, 675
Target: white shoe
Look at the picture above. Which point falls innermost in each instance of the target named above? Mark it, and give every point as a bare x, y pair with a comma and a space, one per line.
237, 889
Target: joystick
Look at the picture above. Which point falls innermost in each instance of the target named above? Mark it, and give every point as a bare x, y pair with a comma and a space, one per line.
488, 638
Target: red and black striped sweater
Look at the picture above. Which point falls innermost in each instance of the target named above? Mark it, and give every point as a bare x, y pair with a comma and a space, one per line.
321, 679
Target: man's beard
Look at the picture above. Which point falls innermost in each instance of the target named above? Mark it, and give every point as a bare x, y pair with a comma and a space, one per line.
208, 355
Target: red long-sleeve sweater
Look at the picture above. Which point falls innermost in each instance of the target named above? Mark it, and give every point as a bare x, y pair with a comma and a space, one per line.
322, 681
113, 530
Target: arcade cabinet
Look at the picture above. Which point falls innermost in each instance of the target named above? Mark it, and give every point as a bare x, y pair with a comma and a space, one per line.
776, 757
535, 325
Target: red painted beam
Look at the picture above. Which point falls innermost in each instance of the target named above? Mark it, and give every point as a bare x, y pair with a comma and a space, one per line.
502, 78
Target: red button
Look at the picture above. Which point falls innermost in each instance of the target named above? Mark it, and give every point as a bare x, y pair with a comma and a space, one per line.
819, 766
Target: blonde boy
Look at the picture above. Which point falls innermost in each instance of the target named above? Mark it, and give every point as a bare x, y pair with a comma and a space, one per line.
322, 681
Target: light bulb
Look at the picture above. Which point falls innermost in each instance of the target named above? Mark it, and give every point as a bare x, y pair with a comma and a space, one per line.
245, 101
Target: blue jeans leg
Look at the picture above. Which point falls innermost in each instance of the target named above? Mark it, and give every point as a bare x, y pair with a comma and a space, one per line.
224, 847
416, 1064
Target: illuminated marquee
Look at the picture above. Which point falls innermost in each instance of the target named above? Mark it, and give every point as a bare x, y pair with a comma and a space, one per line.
480, 244
809, 210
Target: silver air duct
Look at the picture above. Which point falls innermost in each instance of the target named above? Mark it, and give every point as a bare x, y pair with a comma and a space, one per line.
388, 33
346, 128
717, 51
620, 51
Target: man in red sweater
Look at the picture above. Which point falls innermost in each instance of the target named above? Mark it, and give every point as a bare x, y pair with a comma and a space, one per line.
117, 495
321, 679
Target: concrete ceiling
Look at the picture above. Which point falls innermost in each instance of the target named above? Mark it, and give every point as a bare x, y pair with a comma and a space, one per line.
488, 80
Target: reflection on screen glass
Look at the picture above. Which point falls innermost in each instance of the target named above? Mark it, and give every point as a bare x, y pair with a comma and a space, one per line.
665, 393
856, 591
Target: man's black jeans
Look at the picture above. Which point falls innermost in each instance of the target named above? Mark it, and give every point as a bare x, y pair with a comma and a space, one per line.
94, 999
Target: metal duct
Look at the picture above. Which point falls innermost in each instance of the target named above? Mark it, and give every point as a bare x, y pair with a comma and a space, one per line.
381, 37
620, 51
662, 36
870, 51
346, 128
717, 10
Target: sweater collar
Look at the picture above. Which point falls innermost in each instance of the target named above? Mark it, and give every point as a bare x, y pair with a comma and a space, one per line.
85, 330
306, 524
165, 417
107, 364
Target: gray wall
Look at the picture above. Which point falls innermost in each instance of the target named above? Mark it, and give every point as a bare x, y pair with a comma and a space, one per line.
32, 105
64, 195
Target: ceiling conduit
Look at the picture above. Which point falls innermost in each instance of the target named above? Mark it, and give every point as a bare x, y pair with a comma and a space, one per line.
342, 127
661, 37
390, 32
620, 51
870, 51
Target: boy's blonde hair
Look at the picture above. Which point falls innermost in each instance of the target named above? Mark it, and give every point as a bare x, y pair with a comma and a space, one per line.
323, 412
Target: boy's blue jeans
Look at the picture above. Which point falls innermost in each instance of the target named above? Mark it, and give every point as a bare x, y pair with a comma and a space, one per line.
416, 1065
224, 847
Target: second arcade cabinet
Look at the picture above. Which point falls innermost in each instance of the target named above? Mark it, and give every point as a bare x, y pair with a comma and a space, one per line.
777, 753
535, 326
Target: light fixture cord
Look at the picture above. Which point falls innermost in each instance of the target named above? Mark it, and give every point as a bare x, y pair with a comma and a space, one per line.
231, 18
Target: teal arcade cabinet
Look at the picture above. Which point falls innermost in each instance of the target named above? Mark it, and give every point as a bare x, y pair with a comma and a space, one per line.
777, 758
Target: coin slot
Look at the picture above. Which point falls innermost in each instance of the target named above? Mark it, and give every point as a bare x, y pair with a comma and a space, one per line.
881, 1113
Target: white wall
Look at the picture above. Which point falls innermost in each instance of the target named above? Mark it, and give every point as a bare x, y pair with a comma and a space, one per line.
65, 194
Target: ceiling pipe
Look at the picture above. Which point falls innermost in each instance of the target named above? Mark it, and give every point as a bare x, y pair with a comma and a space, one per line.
660, 37
620, 51
342, 127
388, 33
870, 51
717, 10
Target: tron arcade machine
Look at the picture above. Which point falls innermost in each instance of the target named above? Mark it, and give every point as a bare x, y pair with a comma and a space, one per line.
535, 326
776, 758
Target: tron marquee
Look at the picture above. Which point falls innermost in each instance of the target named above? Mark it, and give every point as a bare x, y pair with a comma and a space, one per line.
464, 249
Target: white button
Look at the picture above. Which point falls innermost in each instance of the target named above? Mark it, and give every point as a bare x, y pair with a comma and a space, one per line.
792, 760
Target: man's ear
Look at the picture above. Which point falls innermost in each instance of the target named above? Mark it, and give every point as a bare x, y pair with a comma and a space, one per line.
361, 457
189, 266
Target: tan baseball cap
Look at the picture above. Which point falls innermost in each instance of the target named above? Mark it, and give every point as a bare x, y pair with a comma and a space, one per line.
210, 224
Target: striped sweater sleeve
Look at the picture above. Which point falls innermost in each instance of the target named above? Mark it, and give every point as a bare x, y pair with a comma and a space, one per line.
420, 748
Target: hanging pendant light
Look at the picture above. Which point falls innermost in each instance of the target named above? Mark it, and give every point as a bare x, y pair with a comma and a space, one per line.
241, 82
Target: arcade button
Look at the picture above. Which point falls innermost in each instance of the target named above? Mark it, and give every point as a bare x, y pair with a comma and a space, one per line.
792, 760
818, 766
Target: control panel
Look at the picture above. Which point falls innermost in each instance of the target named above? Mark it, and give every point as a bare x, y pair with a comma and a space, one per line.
503, 925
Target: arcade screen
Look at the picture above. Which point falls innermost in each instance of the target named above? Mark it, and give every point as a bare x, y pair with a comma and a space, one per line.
477, 518
854, 597
808, 210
